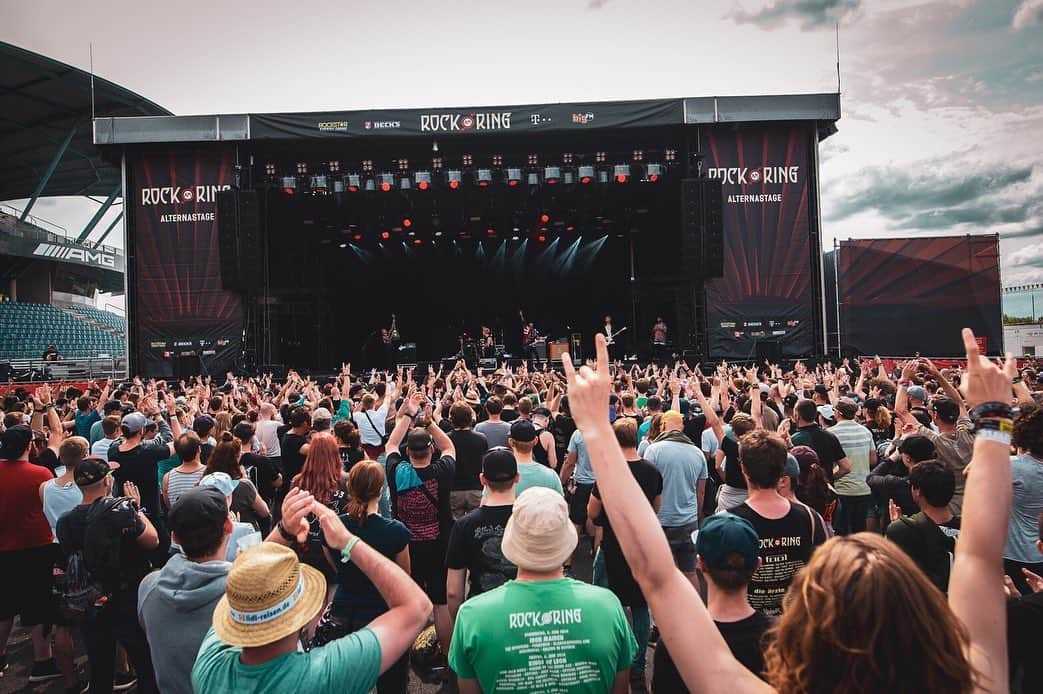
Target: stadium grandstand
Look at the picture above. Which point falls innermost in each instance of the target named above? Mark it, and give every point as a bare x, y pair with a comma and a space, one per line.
52, 278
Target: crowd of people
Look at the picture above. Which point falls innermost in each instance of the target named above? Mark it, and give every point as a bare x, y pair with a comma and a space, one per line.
855, 526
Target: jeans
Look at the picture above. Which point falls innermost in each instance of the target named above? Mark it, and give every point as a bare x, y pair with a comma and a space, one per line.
642, 623
102, 627
850, 516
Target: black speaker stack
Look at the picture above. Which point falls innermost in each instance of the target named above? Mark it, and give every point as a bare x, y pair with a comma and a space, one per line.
240, 245
703, 236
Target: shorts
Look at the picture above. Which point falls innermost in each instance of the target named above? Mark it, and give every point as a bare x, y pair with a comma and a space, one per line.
578, 503
29, 577
463, 501
427, 567
681, 545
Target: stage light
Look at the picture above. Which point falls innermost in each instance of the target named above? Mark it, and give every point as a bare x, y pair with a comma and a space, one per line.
371, 185
403, 164
551, 174
289, 184
417, 242
544, 218
599, 157
566, 158
338, 185
405, 183
367, 165
533, 160
319, 185
484, 177
438, 234
467, 160
436, 163
670, 155
490, 232
542, 238
497, 160
385, 235
354, 183
454, 178
586, 174
621, 172
568, 178
514, 238
269, 169
407, 222
534, 179
422, 180
639, 155
302, 168
570, 228
653, 172
343, 245
356, 237
514, 177
334, 166
387, 181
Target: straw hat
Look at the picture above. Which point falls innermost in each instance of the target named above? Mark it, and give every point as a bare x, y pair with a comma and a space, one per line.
269, 595
539, 535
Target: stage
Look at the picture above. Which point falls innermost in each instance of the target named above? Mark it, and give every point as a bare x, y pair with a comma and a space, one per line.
293, 239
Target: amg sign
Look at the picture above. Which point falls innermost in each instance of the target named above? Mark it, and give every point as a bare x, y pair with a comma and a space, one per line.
76, 255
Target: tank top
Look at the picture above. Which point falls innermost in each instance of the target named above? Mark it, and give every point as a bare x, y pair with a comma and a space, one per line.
59, 500
180, 482
539, 453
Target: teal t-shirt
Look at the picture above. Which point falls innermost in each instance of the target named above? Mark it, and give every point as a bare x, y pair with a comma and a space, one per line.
534, 475
347, 665
97, 433
542, 636
166, 465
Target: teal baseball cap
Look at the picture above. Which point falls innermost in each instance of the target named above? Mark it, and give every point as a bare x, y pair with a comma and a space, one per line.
723, 534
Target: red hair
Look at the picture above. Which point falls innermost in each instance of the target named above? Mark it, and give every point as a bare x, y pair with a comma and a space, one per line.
321, 472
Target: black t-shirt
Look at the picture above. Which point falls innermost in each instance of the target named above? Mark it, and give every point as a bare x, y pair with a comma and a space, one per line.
745, 638
786, 545
350, 456
261, 471
732, 472
470, 447
931, 546
140, 466
356, 595
474, 544
292, 460
824, 443
508, 415
47, 459
420, 496
205, 449
1025, 640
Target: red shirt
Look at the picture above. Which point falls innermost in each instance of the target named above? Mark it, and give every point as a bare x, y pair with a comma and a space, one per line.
22, 523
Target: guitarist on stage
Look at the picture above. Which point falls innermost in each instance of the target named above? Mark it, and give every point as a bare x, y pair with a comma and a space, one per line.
613, 349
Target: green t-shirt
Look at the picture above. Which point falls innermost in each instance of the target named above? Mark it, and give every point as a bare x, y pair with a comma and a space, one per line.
534, 475
166, 465
347, 665
543, 636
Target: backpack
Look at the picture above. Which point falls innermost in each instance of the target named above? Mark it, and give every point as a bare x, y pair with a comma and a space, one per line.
75, 590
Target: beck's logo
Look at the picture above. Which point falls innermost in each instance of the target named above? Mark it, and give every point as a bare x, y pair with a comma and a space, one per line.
178, 195
382, 124
76, 255
455, 122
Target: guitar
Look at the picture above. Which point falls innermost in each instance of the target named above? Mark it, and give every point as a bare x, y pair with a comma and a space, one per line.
393, 334
610, 339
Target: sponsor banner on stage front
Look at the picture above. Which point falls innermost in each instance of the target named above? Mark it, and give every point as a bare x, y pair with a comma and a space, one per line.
767, 292
485, 120
176, 287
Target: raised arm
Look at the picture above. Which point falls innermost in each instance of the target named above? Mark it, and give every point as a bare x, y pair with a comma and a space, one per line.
976, 584
702, 657
410, 406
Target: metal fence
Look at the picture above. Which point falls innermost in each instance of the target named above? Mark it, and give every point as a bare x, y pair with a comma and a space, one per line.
35, 370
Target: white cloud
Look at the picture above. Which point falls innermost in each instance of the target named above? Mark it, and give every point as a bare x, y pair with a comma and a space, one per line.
1029, 255
1028, 14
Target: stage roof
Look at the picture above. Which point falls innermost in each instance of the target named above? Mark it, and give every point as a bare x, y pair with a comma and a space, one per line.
534, 119
41, 100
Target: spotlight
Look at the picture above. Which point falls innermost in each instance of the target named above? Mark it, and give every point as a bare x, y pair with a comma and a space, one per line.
417, 242
289, 184
438, 234
385, 235
422, 179
586, 174
367, 165
544, 218
403, 164
269, 169
318, 185
599, 157
333, 166
653, 172
387, 182
490, 232
407, 222
566, 158
354, 183
436, 164
454, 178
302, 168
533, 160
514, 238
514, 177
670, 155
497, 160
484, 177
621, 172
343, 245
551, 174
542, 238
639, 155
356, 237
570, 228
467, 160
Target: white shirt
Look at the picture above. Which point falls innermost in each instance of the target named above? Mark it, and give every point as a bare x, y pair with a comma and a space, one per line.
267, 433
372, 434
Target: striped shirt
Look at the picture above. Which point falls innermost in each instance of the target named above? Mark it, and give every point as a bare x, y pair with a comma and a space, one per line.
180, 482
857, 442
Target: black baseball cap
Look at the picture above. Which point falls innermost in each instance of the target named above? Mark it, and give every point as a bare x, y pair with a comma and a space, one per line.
418, 440
199, 510
91, 470
14, 441
499, 464
523, 430
204, 424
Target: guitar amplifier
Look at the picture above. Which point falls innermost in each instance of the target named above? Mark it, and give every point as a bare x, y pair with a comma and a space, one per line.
557, 348
406, 353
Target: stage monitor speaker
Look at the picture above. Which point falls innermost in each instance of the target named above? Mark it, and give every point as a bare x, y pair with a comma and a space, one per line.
769, 350
239, 241
406, 354
702, 244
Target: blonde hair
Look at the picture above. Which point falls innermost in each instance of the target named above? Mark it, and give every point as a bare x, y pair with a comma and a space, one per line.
862, 617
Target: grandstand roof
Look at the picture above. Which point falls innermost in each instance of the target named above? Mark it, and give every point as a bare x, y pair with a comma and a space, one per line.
40, 101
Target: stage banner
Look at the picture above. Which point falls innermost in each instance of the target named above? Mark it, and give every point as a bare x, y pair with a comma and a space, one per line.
463, 121
910, 296
179, 310
764, 303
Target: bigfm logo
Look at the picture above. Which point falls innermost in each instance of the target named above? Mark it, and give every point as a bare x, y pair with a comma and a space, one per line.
76, 255
178, 195
760, 174
583, 118
455, 122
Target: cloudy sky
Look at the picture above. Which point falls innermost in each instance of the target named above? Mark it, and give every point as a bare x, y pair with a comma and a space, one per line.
942, 127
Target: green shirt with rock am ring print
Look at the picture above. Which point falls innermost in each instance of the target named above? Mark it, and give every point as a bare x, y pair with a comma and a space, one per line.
560, 636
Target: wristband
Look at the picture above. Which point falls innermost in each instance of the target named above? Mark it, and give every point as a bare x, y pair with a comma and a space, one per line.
286, 534
1005, 426
994, 435
992, 410
345, 554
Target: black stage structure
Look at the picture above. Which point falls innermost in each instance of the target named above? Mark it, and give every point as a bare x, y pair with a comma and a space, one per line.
260, 240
